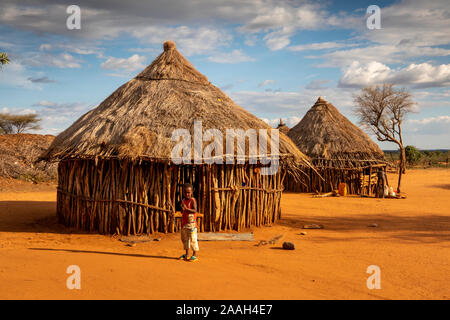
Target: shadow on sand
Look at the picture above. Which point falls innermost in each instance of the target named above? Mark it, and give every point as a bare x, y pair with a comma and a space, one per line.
34, 217
107, 253
40, 217
441, 186
424, 228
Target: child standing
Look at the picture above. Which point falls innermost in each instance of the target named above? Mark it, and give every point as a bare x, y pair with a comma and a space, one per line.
189, 223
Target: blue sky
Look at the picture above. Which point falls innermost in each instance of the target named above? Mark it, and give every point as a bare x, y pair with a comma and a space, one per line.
273, 57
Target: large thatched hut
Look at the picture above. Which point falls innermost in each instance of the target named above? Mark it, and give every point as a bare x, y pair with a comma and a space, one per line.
339, 150
118, 172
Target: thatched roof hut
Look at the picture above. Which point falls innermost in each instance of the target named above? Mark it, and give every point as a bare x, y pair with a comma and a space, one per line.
335, 144
282, 127
117, 171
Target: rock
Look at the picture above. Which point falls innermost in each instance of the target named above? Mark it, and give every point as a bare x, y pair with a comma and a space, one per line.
157, 239
288, 246
303, 233
373, 225
131, 244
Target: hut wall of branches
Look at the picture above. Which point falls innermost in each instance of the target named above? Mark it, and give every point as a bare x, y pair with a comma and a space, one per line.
117, 172
361, 179
339, 150
130, 197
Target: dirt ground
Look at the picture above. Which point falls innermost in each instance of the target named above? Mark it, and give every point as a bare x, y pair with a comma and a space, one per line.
411, 245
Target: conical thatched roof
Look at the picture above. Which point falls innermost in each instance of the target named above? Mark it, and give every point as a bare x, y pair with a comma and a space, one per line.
325, 134
138, 119
282, 127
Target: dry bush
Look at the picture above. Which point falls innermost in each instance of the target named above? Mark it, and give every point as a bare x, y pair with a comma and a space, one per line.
18, 153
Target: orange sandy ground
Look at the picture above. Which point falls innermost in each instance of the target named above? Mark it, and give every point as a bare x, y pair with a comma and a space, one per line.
411, 246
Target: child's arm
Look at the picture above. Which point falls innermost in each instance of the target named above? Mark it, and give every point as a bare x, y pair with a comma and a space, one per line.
194, 209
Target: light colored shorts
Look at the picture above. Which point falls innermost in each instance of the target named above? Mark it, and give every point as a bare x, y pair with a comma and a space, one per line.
189, 238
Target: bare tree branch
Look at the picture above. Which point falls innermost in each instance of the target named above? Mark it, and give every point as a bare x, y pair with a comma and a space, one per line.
383, 109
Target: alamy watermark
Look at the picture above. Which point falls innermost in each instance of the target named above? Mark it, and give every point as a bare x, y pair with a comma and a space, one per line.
374, 20
374, 280
190, 149
74, 19
74, 280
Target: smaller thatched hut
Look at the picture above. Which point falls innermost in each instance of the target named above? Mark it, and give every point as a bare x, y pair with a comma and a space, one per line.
339, 150
282, 127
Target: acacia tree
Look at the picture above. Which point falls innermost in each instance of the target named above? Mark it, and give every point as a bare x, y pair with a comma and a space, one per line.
10, 123
383, 109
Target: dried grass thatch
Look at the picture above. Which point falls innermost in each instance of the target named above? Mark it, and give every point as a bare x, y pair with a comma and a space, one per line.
330, 139
137, 120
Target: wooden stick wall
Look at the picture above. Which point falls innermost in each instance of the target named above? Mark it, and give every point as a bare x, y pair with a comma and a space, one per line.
358, 180
127, 197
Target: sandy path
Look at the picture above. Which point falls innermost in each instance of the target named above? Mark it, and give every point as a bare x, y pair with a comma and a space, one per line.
411, 246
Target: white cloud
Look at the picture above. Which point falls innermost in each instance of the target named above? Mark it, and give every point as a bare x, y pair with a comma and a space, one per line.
387, 54
431, 120
317, 84
421, 23
189, 41
15, 74
430, 132
55, 116
76, 47
415, 22
17, 111
280, 20
418, 75
320, 46
133, 63
62, 60
45, 47
235, 56
273, 104
45, 103
266, 83
277, 40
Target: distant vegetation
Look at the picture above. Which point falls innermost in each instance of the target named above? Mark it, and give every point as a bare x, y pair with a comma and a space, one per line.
15, 123
18, 155
416, 158
19, 151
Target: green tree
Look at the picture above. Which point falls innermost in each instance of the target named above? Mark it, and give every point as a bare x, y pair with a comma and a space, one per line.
3, 58
11, 123
413, 155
